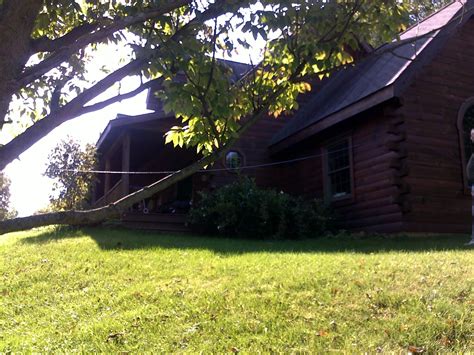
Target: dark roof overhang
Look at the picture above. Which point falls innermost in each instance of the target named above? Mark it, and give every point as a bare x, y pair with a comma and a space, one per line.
368, 102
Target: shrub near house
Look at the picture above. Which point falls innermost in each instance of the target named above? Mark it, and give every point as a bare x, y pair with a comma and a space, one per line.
242, 209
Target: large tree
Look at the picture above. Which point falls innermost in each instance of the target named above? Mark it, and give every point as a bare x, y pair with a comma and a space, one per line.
46, 46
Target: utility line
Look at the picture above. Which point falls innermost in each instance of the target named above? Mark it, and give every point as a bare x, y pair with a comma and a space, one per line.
246, 167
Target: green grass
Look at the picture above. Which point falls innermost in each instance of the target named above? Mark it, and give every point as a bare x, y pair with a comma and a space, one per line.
118, 291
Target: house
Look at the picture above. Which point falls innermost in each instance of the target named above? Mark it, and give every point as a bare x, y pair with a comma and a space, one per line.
385, 142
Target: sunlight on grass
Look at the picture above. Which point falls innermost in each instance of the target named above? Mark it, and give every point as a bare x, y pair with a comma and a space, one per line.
114, 290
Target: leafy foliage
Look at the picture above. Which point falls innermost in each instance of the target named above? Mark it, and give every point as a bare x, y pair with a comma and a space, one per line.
419, 9
71, 187
304, 40
6, 211
244, 210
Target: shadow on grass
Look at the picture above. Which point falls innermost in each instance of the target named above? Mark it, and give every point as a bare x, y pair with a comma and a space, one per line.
122, 239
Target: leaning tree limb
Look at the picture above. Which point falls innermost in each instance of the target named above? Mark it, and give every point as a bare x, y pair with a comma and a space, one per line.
118, 208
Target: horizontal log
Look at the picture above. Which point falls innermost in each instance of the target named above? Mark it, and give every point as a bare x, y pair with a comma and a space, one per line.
430, 202
422, 215
356, 214
385, 184
375, 220
433, 184
396, 137
366, 153
437, 142
367, 176
383, 202
395, 126
427, 171
443, 162
397, 147
434, 129
435, 227
394, 227
374, 194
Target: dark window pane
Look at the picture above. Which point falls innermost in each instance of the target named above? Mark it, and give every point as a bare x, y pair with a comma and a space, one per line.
340, 183
338, 155
339, 172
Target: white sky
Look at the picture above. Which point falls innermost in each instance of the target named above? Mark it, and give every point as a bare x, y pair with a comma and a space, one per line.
29, 188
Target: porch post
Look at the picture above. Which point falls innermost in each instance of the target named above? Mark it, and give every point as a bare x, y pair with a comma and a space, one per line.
126, 164
107, 176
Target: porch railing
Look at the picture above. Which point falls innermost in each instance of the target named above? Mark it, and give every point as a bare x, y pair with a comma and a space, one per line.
112, 195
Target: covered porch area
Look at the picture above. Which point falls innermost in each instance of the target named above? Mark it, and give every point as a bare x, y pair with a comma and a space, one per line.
133, 152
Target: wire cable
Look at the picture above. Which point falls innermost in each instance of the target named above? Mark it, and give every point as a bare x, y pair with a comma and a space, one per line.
245, 167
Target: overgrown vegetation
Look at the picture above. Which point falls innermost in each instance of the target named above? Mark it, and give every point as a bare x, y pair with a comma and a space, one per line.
242, 209
118, 291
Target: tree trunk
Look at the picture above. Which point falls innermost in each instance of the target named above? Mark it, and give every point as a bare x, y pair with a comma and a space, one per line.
17, 19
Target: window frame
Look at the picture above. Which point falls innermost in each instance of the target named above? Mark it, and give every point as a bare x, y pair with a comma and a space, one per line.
466, 105
326, 174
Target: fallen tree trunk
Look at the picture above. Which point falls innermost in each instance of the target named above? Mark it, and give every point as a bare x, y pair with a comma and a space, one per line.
118, 208
113, 210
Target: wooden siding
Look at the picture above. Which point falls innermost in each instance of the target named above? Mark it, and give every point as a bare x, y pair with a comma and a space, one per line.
377, 201
438, 200
253, 145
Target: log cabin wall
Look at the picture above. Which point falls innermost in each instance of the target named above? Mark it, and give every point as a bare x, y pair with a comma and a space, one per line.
438, 200
377, 163
253, 146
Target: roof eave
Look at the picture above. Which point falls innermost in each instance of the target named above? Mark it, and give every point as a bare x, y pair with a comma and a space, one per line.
358, 107
125, 120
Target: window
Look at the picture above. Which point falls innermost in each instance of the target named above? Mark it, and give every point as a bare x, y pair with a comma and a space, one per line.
465, 125
234, 160
338, 169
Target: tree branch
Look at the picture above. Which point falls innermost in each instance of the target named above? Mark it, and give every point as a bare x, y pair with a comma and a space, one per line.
100, 105
45, 44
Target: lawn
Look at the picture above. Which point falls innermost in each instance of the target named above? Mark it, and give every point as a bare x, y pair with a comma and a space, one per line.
119, 291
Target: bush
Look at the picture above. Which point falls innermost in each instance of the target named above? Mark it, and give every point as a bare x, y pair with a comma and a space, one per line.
243, 210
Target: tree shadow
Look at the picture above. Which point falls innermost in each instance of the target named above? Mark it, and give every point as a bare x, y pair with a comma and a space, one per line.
125, 239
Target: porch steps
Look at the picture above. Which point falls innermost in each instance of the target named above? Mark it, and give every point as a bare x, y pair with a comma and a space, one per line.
162, 222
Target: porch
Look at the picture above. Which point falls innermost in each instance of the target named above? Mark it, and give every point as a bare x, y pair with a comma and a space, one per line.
140, 148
